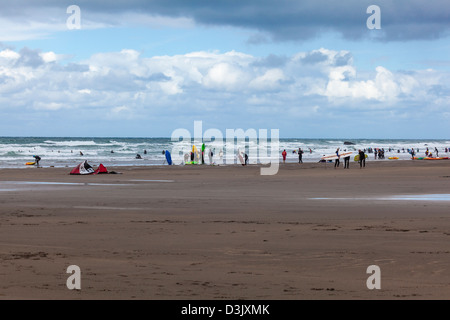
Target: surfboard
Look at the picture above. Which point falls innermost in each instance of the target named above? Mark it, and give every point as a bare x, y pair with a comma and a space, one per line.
196, 155
393, 158
30, 163
241, 159
168, 157
334, 156
356, 158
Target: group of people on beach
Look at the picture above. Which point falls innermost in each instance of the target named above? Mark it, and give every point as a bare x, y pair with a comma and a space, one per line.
378, 153
361, 160
299, 152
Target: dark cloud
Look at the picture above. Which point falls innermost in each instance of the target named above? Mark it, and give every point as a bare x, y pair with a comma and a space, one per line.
281, 20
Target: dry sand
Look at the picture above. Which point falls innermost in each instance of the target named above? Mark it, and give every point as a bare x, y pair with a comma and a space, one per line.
226, 232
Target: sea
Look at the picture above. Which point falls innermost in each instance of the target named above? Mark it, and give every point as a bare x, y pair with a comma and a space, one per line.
70, 151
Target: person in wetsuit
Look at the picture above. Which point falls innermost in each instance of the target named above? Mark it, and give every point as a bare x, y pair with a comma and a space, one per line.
337, 162
347, 162
37, 159
362, 159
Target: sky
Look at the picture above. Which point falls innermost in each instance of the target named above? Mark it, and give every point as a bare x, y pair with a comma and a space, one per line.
144, 68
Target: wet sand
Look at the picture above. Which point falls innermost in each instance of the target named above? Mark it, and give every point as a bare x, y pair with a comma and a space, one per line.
226, 232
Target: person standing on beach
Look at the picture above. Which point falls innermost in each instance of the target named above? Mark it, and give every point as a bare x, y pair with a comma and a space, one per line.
300, 155
245, 159
284, 154
211, 155
362, 159
337, 162
437, 152
203, 153
347, 162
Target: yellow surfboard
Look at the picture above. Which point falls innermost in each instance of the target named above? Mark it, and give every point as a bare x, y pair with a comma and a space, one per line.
357, 157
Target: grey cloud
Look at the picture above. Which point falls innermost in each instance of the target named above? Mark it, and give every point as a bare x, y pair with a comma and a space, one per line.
72, 67
29, 58
281, 20
157, 77
271, 61
343, 59
314, 57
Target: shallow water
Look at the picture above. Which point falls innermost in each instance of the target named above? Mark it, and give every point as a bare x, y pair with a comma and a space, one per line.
419, 197
64, 183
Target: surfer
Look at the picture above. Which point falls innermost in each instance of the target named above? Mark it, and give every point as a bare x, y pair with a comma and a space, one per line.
284, 154
138, 156
245, 158
300, 155
37, 158
337, 162
347, 162
362, 159
81, 153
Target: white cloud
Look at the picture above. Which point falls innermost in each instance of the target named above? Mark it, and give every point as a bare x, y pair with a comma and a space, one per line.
9, 54
127, 85
385, 86
270, 80
49, 56
224, 76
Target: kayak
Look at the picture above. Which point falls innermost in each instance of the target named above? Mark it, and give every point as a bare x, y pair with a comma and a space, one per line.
428, 158
440, 158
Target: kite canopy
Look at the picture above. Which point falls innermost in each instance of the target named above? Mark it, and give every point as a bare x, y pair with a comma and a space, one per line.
101, 169
83, 168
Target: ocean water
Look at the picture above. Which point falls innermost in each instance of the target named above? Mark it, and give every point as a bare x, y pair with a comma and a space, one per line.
65, 151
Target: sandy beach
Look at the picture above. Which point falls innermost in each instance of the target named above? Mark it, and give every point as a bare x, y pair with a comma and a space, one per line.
226, 232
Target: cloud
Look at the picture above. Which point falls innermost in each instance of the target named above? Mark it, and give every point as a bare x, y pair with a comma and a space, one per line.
282, 20
127, 86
